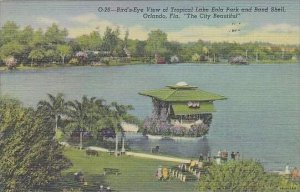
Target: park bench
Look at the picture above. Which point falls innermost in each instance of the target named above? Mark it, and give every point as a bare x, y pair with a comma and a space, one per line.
111, 171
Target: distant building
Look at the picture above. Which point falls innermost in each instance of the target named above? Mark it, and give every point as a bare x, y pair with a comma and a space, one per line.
238, 60
159, 59
127, 52
174, 59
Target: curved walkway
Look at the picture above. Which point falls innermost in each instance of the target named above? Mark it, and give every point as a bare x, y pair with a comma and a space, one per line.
145, 155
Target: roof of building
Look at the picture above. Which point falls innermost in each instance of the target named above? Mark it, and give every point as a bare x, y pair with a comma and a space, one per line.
182, 92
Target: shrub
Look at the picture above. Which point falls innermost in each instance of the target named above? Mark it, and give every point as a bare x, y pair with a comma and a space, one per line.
74, 61
243, 175
11, 63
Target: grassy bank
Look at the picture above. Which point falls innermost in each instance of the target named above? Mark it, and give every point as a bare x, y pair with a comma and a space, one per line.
137, 174
28, 67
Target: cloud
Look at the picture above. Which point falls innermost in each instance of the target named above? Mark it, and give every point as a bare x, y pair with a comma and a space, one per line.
206, 33
138, 32
84, 24
273, 33
46, 21
84, 18
277, 34
280, 28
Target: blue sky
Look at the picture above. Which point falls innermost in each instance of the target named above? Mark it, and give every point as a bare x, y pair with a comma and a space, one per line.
82, 17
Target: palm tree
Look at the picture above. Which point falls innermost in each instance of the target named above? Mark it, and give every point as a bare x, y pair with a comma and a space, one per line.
120, 112
55, 107
84, 115
77, 113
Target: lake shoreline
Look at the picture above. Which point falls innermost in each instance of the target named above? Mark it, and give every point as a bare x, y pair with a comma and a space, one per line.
54, 66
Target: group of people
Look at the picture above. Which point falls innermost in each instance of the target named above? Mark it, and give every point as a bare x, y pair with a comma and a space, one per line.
235, 156
162, 173
223, 156
78, 176
204, 158
104, 189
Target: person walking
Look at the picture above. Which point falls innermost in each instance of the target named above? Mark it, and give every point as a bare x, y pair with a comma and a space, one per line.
232, 155
237, 156
201, 157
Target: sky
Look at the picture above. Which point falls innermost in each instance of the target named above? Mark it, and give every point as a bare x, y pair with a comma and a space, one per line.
83, 17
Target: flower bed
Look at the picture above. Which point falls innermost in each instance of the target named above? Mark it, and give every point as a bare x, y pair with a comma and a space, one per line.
155, 126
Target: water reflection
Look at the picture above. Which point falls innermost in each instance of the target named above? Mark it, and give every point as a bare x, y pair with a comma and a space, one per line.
174, 147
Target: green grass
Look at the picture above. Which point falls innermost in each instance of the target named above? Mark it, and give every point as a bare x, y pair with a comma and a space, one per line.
137, 174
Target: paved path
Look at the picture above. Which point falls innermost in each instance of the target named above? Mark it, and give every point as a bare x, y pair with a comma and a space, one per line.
144, 155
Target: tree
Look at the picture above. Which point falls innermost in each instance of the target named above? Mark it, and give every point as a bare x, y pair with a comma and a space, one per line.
126, 38
12, 48
110, 40
140, 49
196, 57
92, 41
54, 35
173, 48
55, 107
38, 39
156, 42
243, 175
30, 159
50, 55
95, 41
78, 114
36, 54
9, 32
83, 42
120, 114
121, 111
26, 35
64, 50
91, 114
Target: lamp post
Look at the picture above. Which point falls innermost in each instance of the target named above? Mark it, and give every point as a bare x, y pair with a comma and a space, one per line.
116, 150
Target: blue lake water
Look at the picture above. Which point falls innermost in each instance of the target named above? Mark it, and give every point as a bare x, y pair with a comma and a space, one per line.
260, 118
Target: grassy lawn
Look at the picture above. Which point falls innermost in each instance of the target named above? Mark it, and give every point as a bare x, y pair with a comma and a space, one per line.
137, 174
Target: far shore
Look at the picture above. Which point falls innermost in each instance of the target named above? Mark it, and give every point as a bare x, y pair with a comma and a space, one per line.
51, 66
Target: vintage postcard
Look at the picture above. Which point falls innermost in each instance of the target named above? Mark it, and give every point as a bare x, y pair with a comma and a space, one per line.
149, 95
